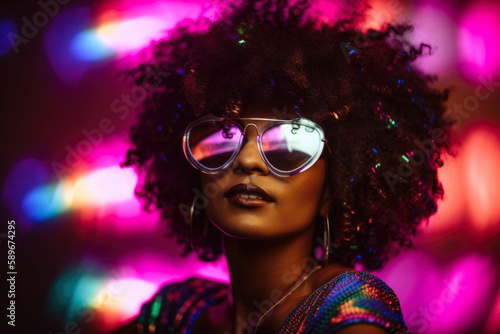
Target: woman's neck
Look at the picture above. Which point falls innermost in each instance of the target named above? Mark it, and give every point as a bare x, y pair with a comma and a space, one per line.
263, 271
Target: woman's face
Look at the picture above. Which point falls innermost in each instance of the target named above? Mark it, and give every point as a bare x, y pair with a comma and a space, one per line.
290, 207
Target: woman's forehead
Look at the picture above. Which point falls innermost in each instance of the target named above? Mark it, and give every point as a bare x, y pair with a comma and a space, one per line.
257, 112
271, 111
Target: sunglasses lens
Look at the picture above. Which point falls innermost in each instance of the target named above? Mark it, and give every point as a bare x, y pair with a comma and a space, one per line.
288, 147
213, 143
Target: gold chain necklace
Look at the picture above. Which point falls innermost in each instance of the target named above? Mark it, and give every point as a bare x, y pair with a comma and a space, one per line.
292, 289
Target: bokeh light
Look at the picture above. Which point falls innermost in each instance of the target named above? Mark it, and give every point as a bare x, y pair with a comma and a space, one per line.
100, 192
76, 39
132, 34
452, 209
383, 12
442, 290
429, 291
25, 176
436, 28
59, 42
47, 201
8, 36
493, 322
473, 202
481, 154
478, 33
105, 186
87, 46
114, 295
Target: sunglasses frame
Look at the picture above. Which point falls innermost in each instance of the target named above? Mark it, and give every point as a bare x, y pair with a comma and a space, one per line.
272, 122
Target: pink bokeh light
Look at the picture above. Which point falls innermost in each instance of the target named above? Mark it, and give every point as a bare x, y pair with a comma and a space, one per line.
158, 267
478, 33
77, 38
429, 291
99, 192
130, 26
104, 195
492, 325
105, 186
471, 184
481, 154
131, 34
151, 270
452, 209
435, 26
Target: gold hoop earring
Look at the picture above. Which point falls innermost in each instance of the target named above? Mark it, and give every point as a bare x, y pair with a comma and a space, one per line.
205, 225
326, 239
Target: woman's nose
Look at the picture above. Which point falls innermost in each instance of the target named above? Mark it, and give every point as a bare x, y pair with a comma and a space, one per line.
248, 159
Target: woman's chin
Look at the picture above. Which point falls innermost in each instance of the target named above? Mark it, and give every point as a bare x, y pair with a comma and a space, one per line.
247, 229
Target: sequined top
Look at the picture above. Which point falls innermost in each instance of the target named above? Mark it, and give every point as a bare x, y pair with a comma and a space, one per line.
350, 298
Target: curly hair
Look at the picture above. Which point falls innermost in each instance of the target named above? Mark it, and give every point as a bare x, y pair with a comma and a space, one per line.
383, 121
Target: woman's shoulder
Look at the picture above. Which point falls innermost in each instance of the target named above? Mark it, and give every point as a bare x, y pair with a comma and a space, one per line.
177, 303
360, 297
358, 282
352, 297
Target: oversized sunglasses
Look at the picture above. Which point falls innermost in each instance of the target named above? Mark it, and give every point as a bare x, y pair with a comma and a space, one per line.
287, 147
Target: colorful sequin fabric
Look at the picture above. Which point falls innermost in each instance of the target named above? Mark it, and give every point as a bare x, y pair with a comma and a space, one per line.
350, 298
176, 306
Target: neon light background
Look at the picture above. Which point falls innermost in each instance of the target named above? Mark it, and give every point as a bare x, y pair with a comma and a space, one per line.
88, 252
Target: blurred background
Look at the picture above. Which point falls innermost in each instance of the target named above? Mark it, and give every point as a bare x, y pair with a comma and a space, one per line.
87, 255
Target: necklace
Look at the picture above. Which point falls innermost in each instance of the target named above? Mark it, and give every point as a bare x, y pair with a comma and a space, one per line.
292, 289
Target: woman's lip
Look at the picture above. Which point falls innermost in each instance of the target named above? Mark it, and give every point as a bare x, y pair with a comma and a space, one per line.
248, 202
246, 190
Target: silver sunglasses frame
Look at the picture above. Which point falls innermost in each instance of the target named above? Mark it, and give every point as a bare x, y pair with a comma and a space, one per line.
272, 121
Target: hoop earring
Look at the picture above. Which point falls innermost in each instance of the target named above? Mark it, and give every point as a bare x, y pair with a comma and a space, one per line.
205, 225
326, 239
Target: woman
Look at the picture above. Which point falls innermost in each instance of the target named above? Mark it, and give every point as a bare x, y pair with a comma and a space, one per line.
315, 147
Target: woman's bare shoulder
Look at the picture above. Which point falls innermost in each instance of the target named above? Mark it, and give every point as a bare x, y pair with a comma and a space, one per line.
329, 273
